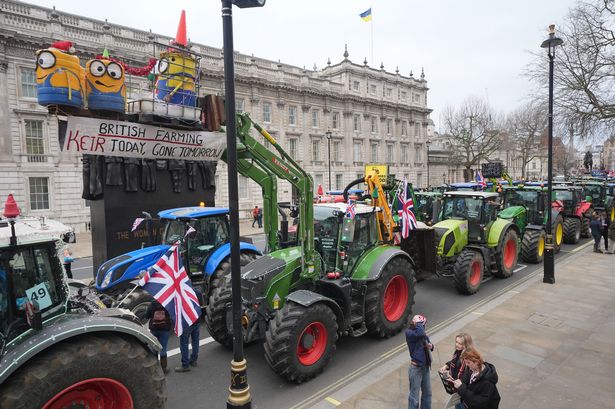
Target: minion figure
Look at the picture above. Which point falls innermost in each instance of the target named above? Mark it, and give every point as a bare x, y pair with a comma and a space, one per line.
59, 76
105, 86
176, 82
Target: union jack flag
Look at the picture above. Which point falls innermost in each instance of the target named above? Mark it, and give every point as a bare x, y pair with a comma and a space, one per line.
406, 213
351, 210
169, 284
480, 179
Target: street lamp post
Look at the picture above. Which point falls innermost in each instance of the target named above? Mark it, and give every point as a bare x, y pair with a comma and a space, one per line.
427, 145
549, 260
328, 135
239, 390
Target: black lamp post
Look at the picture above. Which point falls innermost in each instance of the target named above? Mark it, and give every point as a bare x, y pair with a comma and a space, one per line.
427, 145
328, 135
239, 390
549, 260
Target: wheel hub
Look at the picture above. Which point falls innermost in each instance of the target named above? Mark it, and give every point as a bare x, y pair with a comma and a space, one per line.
92, 394
307, 341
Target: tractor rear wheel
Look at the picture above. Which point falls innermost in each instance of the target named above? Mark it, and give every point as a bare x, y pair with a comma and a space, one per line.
507, 255
468, 271
572, 230
389, 300
533, 246
300, 341
89, 371
557, 230
138, 302
219, 298
585, 229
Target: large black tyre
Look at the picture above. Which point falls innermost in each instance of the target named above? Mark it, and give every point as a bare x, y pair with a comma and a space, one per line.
572, 230
557, 230
138, 302
585, 229
58, 368
389, 299
612, 231
219, 298
300, 341
468, 271
533, 246
507, 255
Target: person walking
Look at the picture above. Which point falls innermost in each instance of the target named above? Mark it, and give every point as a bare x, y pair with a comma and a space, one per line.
260, 217
420, 348
160, 326
596, 229
190, 336
478, 388
255, 215
456, 367
605, 223
68, 261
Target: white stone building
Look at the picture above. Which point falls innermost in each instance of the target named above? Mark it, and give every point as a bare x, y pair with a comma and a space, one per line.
371, 115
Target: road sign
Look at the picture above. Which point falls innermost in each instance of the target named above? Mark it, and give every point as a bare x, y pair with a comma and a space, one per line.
381, 170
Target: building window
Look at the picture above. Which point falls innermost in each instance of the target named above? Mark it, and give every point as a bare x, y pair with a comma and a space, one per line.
267, 112
315, 118
318, 179
404, 128
389, 126
356, 153
242, 186
356, 123
356, 85
336, 151
417, 129
39, 193
335, 120
35, 146
404, 154
339, 182
533, 165
292, 115
390, 155
416, 98
374, 125
418, 154
372, 89
404, 95
28, 82
315, 150
217, 192
239, 106
419, 179
389, 92
374, 153
292, 147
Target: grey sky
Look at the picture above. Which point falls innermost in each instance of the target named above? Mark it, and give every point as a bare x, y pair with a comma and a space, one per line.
467, 47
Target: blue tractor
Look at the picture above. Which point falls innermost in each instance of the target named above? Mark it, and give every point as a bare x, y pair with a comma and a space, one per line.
206, 256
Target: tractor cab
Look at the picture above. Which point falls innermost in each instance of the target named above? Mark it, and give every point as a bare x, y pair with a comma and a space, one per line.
570, 198
427, 205
477, 208
533, 199
594, 190
465, 186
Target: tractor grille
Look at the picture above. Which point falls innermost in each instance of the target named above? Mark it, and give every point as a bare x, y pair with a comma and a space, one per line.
257, 275
102, 271
440, 231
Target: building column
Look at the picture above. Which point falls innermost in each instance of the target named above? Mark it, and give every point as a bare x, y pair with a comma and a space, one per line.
6, 149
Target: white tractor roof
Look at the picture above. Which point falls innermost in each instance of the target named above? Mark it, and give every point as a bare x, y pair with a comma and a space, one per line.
468, 193
32, 229
360, 208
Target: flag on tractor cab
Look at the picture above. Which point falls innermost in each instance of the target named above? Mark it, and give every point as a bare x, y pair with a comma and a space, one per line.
351, 210
480, 179
169, 284
406, 211
136, 223
366, 15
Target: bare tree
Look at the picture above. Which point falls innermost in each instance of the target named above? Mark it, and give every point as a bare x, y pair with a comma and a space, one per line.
526, 125
473, 131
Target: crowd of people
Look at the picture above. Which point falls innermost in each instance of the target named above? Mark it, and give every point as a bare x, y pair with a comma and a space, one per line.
599, 226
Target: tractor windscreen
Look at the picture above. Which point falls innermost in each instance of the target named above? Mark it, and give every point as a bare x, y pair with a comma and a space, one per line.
565, 196
467, 208
326, 232
593, 191
525, 198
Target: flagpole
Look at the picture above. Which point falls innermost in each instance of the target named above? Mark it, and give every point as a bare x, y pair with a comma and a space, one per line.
372, 30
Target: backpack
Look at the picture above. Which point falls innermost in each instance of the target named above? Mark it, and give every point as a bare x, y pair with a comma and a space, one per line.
159, 319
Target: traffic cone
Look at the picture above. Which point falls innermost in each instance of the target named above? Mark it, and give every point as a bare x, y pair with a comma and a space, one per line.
11, 210
181, 38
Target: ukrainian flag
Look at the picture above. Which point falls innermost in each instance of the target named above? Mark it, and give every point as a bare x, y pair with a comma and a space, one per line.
366, 15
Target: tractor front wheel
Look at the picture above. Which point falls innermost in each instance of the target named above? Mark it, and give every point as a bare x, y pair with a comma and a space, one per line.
572, 230
389, 299
557, 230
300, 341
468, 270
507, 255
585, 222
88, 371
533, 246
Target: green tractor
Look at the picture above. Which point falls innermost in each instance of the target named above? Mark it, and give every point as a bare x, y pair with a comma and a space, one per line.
472, 241
427, 205
340, 279
527, 207
601, 195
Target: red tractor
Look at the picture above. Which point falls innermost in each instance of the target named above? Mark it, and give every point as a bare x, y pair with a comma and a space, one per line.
577, 212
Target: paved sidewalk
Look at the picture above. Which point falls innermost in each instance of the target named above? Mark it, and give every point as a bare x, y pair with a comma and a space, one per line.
83, 247
553, 345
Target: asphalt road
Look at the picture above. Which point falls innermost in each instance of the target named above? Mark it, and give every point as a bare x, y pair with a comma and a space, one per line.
207, 385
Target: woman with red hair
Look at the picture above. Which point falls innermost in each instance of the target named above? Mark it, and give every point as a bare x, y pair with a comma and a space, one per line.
478, 388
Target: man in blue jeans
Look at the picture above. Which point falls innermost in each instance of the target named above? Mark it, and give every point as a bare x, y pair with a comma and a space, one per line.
420, 349
190, 335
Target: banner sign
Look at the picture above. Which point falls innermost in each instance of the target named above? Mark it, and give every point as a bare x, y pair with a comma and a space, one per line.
492, 170
90, 136
381, 170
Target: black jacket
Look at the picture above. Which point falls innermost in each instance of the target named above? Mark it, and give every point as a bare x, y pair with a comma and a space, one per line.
149, 314
482, 393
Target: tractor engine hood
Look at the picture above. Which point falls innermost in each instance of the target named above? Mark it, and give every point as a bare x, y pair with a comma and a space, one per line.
511, 212
127, 267
451, 236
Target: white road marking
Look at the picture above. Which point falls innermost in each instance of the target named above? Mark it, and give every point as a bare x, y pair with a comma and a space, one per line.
81, 268
589, 243
521, 267
204, 341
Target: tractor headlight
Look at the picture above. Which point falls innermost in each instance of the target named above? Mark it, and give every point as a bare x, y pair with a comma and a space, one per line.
106, 280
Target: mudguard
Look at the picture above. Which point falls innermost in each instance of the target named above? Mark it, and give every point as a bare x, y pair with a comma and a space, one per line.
497, 231
370, 265
224, 251
307, 298
32, 343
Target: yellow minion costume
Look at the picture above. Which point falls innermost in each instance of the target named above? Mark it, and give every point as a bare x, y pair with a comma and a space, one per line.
105, 87
59, 76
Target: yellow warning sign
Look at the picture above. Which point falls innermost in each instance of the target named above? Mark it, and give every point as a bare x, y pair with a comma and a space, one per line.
381, 170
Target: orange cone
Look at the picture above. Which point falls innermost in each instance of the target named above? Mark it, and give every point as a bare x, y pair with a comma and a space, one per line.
10, 208
181, 38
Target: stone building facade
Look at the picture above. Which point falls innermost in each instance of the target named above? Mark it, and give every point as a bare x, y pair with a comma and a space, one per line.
349, 112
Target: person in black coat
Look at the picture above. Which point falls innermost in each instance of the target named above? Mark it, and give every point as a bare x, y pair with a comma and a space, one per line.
596, 229
160, 325
605, 223
478, 388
